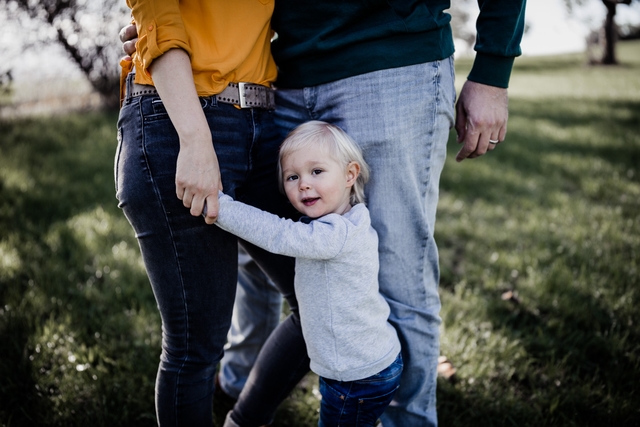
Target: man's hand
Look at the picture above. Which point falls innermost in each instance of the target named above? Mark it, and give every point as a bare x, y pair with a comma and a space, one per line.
481, 119
129, 37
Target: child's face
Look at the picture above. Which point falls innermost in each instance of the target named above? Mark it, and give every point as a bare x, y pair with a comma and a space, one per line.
315, 183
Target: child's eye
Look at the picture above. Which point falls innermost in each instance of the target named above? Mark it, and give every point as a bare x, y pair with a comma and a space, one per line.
292, 177
316, 172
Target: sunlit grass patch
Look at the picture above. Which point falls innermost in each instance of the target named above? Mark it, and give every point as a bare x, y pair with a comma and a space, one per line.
10, 261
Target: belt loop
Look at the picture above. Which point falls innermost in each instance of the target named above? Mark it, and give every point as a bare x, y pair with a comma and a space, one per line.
129, 83
212, 101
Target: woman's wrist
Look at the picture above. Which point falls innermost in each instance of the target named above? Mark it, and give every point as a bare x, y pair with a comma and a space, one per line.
173, 78
193, 136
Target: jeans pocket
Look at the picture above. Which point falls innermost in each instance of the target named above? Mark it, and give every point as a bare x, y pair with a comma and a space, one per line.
158, 106
358, 403
154, 109
371, 408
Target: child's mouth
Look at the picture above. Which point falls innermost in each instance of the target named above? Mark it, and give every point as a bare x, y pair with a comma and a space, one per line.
310, 201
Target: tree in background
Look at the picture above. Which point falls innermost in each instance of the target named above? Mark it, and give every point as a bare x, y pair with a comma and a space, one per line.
6, 78
609, 28
86, 29
462, 23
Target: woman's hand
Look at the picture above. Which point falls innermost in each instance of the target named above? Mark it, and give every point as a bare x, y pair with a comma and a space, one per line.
198, 176
197, 171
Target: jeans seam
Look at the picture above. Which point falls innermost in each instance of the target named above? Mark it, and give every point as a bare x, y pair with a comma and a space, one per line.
434, 118
346, 399
175, 253
428, 161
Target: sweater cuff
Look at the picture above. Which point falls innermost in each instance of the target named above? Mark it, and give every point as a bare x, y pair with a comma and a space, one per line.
491, 70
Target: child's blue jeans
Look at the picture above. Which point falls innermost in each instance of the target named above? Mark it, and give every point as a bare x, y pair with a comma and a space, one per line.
358, 403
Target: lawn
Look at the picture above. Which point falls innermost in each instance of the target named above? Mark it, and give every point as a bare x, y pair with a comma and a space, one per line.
539, 243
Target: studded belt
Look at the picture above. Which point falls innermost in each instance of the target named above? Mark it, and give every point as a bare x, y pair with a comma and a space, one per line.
244, 95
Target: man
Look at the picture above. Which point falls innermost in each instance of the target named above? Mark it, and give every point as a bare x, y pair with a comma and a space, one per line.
383, 71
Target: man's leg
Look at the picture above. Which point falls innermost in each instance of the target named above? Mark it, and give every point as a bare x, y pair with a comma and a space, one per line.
256, 313
401, 118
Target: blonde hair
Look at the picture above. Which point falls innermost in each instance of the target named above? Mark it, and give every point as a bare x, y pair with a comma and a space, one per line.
343, 149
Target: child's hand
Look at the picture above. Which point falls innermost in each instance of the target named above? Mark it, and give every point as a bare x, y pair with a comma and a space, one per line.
210, 216
205, 208
205, 213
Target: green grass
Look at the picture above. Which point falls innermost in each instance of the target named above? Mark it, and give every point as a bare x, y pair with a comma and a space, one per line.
79, 331
552, 216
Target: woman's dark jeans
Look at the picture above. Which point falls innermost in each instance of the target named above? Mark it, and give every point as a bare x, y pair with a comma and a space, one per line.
192, 266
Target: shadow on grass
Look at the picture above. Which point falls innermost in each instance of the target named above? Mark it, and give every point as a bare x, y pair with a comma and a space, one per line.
73, 353
581, 366
550, 152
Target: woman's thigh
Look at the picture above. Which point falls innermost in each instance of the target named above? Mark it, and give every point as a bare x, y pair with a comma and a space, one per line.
191, 265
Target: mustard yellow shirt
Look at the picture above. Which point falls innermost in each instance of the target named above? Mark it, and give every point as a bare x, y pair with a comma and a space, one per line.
227, 40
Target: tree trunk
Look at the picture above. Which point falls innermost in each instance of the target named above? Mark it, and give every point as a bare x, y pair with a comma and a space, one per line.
609, 54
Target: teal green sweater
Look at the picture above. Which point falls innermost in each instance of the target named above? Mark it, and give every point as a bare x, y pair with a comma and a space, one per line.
320, 41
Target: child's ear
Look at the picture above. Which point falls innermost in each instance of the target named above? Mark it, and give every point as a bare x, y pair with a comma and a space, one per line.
353, 170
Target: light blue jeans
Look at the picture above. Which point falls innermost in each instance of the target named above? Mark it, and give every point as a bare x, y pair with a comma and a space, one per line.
401, 118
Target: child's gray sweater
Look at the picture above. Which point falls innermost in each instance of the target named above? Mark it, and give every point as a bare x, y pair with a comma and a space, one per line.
343, 315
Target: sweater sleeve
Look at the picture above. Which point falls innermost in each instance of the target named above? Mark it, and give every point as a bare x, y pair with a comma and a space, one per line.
500, 27
323, 238
160, 28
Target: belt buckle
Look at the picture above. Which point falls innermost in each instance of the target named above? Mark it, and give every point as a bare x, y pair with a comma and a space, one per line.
241, 94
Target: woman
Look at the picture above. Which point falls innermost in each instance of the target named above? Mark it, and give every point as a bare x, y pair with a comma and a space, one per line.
189, 127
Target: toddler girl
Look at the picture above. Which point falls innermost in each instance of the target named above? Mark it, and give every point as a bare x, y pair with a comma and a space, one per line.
351, 344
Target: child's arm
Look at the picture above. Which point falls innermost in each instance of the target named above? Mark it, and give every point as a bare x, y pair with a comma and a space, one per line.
321, 239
